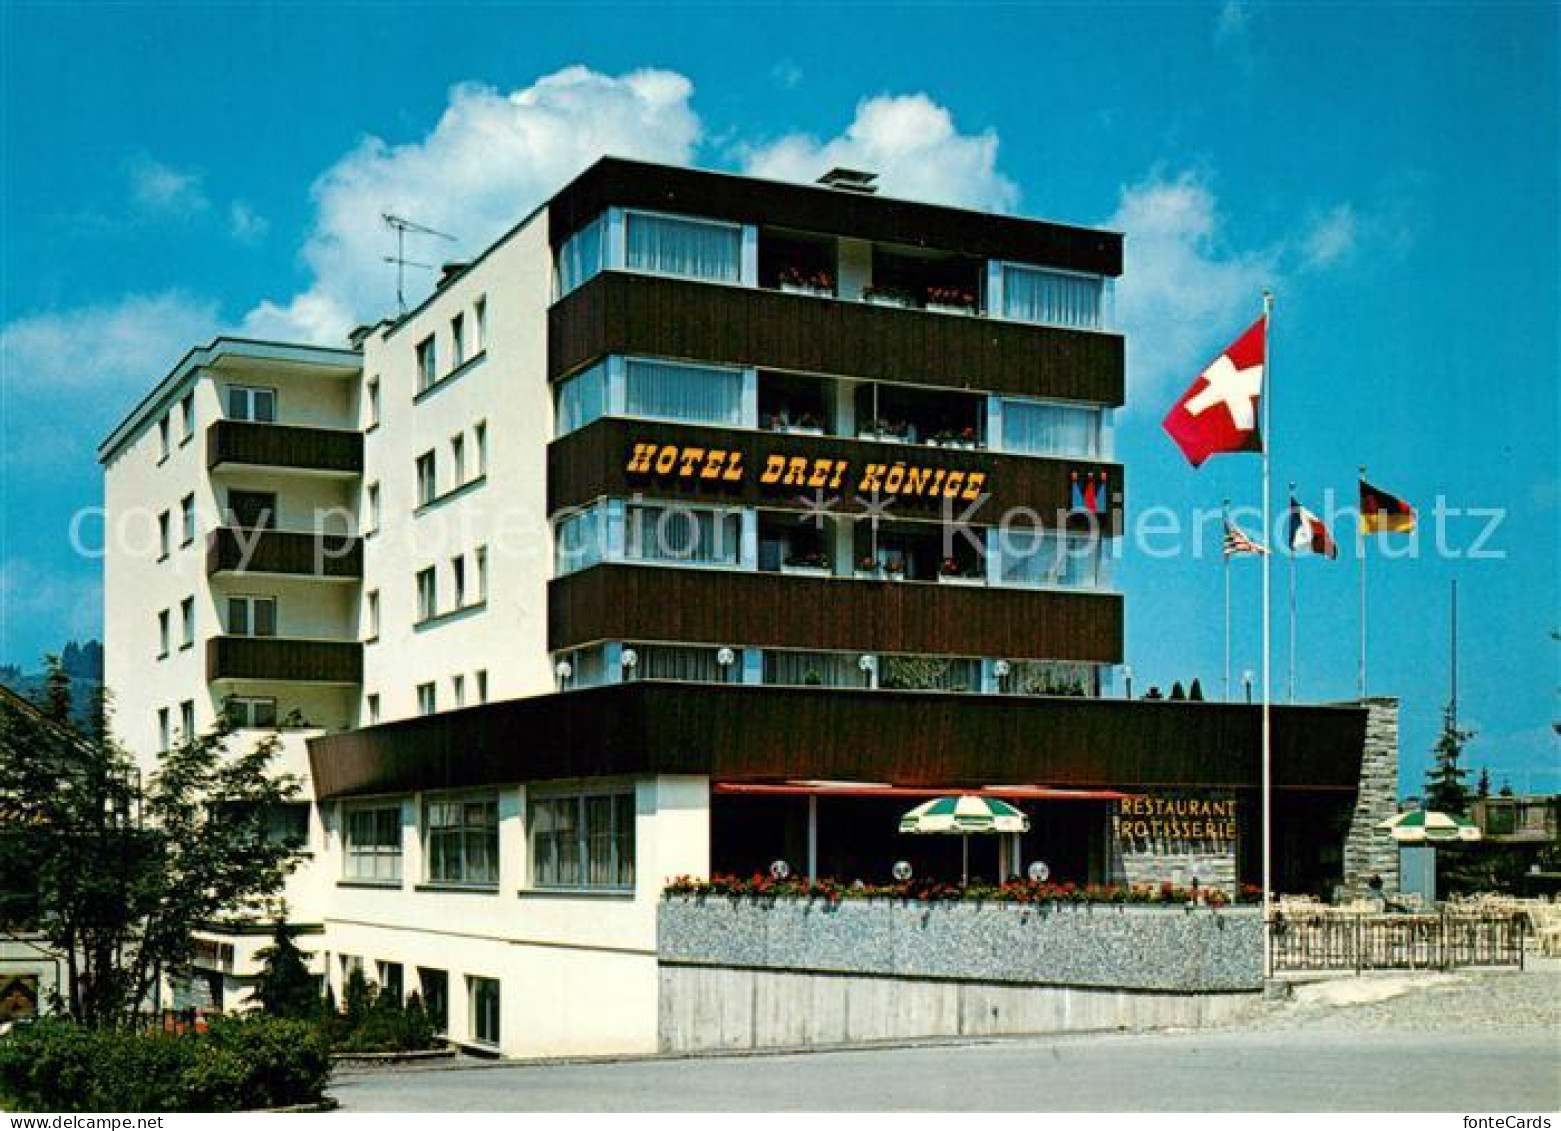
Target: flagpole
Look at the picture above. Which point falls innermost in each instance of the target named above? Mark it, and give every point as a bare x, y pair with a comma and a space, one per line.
1291, 682
1226, 556
1268, 534
1360, 552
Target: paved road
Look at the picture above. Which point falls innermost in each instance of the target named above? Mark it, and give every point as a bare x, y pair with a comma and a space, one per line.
1323, 1068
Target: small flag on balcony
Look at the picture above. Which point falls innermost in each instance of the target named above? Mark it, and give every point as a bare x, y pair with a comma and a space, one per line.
1219, 411
1238, 542
1308, 533
1382, 513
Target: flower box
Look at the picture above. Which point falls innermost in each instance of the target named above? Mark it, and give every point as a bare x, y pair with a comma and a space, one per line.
949, 308
960, 579
798, 430
806, 570
805, 289
889, 300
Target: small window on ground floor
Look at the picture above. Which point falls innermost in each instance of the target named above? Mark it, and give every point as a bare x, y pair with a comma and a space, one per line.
434, 985
484, 1009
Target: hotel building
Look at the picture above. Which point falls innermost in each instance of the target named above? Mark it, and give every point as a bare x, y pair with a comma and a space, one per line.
699, 522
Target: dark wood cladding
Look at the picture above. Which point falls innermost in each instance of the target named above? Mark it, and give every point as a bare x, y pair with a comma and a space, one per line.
771, 610
279, 658
622, 313
336, 556
284, 445
749, 733
591, 463
809, 208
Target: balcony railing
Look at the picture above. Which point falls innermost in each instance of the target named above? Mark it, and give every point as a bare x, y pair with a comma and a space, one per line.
332, 451
337, 557
284, 659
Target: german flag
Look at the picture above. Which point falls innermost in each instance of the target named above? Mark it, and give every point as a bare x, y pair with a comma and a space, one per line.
1382, 513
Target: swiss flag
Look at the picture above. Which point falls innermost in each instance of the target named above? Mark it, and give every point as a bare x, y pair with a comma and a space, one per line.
1219, 413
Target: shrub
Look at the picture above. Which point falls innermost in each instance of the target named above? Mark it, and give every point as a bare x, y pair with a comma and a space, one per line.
240, 1064
383, 1024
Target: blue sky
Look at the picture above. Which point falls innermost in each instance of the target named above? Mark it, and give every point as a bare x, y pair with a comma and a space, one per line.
1391, 171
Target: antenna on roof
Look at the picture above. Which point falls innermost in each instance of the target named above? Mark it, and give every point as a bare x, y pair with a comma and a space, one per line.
401, 226
850, 180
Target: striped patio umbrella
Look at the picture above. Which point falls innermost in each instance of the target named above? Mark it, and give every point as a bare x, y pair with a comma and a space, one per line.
1419, 826
964, 815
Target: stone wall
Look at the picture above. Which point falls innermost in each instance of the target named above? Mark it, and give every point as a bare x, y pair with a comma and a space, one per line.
1108, 946
1369, 851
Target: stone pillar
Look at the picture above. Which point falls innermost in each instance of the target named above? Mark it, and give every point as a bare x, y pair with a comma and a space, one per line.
1368, 850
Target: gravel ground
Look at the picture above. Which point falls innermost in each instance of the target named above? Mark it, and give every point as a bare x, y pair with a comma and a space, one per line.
1468, 1001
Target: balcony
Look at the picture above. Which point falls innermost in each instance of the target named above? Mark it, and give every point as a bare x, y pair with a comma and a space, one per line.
328, 557
620, 313
284, 660
320, 451
773, 610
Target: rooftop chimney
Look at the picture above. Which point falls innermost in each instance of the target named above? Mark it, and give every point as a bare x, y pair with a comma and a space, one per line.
850, 180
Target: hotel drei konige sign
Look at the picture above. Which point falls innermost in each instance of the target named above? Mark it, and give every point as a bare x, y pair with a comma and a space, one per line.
781, 472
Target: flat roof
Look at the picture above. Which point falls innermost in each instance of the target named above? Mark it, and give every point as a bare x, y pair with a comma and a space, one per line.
168, 390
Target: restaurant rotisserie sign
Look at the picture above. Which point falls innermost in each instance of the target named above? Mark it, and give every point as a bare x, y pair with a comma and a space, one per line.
1176, 819
783, 473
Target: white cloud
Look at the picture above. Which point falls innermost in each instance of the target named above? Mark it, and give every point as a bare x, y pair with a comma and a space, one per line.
911, 142
106, 348
156, 187
1331, 238
1181, 285
491, 157
245, 224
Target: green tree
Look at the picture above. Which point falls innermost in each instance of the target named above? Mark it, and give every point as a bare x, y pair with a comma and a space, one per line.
1482, 788
1445, 790
111, 874
285, 987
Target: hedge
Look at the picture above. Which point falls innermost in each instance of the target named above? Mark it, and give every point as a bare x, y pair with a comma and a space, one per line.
240, 1064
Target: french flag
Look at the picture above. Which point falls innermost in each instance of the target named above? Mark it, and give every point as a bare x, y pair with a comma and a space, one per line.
1308, 533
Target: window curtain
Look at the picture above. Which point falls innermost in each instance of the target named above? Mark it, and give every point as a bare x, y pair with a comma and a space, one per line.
1033, 428
814, 669
1031, 558
683, 534
690, 393
1051, 298
692, 248
581, 399
664, 661
581, 256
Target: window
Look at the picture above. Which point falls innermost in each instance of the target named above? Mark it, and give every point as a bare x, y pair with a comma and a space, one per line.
1040, 428
162, 438
480, 316
427, 701
164, 534
683, 534
458, 690
693, 394
580, 540
458, 341
371, 615
462, 839
583, 840
187, 720
1053, 298
187, 623
187, 417
480, 442
1032, 557
434, 985
252, 616
458, 458
582, 255
427, 479
458, 579
162, 729
929, 673
372, 838
252, 510
187, 519
484, 1009
671, 661
480, 556
162, 633
372, 703
580, 399
391, 984
249, 712
248, 403
427, 363
482, 685
372, 414
373, 508
427, 594
815, 669
694, 249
